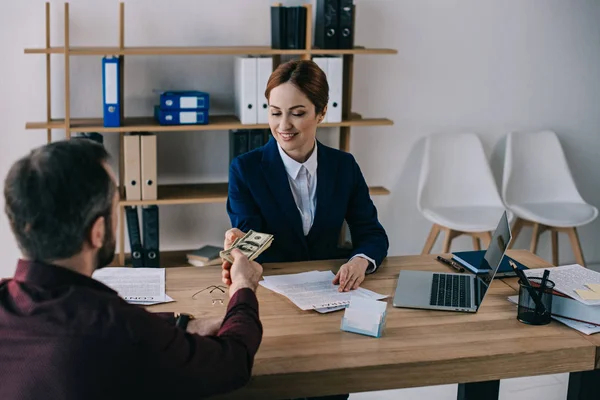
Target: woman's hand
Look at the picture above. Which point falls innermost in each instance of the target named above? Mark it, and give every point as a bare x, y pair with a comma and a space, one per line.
351, 274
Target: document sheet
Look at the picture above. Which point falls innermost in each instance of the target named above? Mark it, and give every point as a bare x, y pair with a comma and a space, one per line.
135, 285
314, 291
572, 280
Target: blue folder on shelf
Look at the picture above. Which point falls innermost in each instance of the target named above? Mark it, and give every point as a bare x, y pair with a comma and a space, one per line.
111, 91
180, 117
472, 261
184, 100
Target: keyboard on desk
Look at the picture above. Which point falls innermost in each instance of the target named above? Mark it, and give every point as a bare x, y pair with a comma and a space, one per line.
450, 290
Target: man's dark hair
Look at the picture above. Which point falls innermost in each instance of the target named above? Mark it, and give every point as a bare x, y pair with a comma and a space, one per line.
55, 194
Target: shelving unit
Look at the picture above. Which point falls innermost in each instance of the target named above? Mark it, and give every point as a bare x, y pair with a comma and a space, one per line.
186, 193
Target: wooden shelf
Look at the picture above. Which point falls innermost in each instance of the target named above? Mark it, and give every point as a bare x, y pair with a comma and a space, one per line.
217, 122
185, 194
204, 193
214, 50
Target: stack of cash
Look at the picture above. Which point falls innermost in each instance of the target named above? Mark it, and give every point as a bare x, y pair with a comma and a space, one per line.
252, 245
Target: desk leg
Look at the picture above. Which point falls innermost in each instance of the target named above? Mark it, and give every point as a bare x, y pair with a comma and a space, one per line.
488, 390
584, 385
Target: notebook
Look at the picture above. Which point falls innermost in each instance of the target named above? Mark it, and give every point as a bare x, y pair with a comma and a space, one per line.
472, 261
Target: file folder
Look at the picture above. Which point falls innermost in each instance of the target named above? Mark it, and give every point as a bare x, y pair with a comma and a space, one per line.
131, 158
179, 117
135, 239
151, 236
184, 100
264, 68
245, 90
335, 75
148, 166
111, 91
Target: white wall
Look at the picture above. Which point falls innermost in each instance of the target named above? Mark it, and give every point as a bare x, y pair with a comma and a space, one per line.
479, 65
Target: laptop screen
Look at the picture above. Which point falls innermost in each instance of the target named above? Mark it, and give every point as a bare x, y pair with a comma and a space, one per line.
492, 258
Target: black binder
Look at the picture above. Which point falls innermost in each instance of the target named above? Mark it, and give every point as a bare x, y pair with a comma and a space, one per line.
135, 239
346, 15
327, 24
238, 143
278, 27
151, 242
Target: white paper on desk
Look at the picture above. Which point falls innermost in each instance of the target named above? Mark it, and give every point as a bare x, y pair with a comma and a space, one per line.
134, 284
314, 290
583, 327
168, 299
569, 278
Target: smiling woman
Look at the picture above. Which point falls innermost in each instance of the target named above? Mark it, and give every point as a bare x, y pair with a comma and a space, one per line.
300, 190
297, 93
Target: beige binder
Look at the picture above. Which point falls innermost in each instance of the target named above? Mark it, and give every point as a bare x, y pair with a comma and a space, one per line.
148, 162
132, 173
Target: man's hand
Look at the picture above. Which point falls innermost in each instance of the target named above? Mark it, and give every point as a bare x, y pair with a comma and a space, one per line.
243, 273
206, 326
230, 237
351, 274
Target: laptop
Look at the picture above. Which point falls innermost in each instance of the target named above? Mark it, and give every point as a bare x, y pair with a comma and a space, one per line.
453, 291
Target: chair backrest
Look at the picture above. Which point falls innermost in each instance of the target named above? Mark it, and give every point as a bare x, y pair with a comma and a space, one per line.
456, 172
536, 170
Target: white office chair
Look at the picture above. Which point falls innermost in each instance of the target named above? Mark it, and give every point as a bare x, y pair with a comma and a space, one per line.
457, 191
538, 188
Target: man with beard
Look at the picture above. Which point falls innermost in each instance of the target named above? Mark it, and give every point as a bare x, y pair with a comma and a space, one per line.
64, 335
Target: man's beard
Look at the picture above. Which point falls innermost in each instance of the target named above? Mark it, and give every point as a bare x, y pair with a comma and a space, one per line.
106, 253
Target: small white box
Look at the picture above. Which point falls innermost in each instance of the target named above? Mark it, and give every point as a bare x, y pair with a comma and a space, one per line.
365, 316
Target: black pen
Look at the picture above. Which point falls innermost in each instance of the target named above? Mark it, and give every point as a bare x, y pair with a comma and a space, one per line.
539, 306
451, 263
544, 280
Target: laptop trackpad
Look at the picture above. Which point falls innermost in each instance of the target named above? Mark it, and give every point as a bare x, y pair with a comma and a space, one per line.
414, 289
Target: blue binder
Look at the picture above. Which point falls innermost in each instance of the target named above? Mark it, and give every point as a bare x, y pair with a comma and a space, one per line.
472, 261
184, 100
111, 91
180, 117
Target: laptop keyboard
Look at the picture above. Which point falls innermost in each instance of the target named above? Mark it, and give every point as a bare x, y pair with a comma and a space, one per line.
450, 290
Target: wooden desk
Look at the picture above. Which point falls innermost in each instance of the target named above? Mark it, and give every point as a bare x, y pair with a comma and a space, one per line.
304, 353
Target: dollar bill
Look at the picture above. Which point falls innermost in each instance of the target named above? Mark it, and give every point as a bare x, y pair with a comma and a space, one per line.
251, 245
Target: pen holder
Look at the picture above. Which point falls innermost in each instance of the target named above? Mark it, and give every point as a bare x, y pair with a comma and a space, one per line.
528, 311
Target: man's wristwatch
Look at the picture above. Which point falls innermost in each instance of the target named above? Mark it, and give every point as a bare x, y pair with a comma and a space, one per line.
182, 319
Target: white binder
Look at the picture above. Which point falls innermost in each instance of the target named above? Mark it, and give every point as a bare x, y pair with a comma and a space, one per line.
335, 76
245, 89
323, 63
264, 68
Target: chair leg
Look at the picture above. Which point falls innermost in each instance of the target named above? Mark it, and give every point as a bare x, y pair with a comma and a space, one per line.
516, 229
433, 235
476, 243
554, 247
572, 232
450, 234
535, 237
487, 239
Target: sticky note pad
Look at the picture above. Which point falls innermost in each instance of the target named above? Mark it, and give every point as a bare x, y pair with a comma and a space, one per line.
588, 294
364, 316
593, 286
